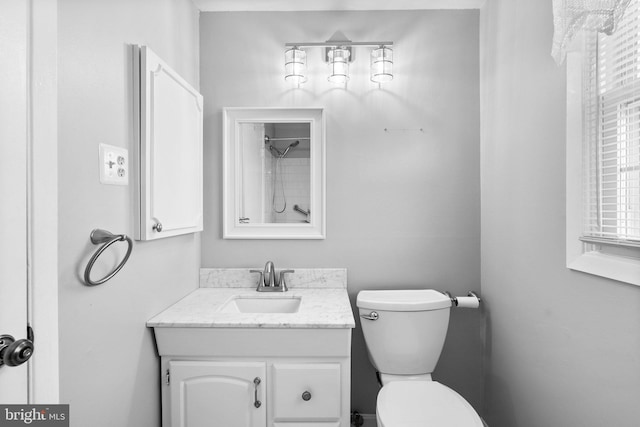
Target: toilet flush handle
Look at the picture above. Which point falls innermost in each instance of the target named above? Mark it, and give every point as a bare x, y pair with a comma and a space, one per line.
371, 316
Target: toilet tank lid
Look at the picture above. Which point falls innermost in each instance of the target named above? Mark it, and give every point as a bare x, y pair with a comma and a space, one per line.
403, 300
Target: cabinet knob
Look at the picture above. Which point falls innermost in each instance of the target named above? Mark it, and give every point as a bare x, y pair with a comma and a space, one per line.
157, 227
306, 396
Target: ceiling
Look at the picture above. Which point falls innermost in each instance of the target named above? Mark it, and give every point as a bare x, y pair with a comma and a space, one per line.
310, 5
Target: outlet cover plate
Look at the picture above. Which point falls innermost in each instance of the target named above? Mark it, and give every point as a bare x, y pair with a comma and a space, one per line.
114, 165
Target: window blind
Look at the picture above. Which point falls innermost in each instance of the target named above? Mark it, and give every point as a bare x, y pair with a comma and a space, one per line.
612, 133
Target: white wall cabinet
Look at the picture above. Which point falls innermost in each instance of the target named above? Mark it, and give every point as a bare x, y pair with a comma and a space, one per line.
169, 114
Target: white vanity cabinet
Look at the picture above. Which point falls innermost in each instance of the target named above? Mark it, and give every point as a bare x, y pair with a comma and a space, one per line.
255, 377
216, 363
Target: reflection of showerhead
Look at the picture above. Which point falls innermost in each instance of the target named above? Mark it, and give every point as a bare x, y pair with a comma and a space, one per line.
292, 145
277, 153
274, 151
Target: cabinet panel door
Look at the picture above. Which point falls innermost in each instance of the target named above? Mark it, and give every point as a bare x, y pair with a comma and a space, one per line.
211, 394
306, 391
170, 151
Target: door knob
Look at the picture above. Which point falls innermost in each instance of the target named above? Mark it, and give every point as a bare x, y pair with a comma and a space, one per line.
16, 352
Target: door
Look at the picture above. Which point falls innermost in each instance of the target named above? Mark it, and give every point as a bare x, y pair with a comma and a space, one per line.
13, 189
232, 394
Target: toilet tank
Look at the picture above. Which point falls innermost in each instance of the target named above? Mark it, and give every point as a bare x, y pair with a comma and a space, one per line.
408, 334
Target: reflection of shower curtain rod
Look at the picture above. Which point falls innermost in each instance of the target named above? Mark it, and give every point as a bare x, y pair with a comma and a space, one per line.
287, 139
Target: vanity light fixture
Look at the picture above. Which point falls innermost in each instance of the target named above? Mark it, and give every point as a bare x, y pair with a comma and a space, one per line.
382, 64
295, 65
338, 65
338, 54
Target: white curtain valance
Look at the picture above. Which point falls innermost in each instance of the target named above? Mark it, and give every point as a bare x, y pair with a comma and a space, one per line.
571, 16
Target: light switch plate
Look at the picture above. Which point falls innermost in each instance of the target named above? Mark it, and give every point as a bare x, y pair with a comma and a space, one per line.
114, 165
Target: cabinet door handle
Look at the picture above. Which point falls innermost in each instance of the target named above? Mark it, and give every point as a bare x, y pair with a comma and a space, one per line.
256, 383
306, 396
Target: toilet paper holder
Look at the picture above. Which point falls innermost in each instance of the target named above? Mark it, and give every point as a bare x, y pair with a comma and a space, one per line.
454, 300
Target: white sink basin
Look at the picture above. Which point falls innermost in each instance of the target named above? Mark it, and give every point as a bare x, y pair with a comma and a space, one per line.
242, 304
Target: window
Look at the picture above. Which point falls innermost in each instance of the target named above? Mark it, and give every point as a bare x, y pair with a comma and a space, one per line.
603, 152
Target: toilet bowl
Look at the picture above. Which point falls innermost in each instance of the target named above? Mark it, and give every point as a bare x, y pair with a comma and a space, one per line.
423, 404
405, 331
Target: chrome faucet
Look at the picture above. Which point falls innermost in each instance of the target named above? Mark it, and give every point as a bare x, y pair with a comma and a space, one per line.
269, 281
269, 275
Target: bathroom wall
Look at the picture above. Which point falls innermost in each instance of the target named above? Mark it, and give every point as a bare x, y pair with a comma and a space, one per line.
109, 371
403, 205
563, 347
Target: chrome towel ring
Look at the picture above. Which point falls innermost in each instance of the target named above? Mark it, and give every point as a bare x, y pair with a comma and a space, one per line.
107, 239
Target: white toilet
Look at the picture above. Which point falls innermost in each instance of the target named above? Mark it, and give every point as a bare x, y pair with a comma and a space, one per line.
405, 331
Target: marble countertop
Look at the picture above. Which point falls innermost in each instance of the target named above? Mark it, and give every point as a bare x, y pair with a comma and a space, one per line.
319, 308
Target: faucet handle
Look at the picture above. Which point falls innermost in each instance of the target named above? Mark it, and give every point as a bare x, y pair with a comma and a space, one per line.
282, 280
259, 277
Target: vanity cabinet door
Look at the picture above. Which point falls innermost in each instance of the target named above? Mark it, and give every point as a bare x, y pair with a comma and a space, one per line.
225, 394
306, 392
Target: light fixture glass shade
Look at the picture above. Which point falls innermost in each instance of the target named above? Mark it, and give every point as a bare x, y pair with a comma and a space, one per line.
338, 65
295, 65
382, 64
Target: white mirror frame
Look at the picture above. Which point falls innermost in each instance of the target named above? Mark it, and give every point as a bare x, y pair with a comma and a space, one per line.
232, 228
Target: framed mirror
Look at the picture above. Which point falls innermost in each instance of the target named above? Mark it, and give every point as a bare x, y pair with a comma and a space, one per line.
273, 173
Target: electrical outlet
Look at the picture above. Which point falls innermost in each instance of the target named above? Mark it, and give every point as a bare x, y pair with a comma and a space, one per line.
114, 165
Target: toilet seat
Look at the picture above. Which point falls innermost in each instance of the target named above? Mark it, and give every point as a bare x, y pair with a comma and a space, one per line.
423, 404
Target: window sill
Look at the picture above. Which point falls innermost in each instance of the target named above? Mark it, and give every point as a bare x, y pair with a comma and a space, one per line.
613, 267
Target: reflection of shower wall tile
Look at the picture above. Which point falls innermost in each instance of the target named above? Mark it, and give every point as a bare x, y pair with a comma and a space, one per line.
295, 174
